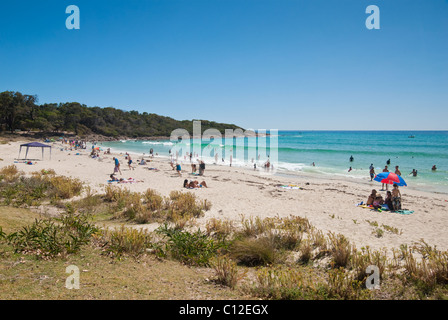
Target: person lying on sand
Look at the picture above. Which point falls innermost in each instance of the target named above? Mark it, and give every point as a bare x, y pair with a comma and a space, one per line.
194, 184
113, 178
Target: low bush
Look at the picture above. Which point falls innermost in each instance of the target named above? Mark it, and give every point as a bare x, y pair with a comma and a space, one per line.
49, 238
341, 249
226, 271
191, 248
125, 241
255, 252
9, 173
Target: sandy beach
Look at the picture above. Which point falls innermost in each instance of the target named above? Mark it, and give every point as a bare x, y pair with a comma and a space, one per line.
329, 204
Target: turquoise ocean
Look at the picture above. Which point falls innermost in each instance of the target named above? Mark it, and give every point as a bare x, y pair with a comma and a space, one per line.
329, 150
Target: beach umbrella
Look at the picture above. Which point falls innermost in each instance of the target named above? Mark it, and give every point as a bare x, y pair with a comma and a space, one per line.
390, 178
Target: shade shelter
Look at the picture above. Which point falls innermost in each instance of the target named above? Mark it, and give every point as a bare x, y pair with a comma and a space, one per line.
34, 145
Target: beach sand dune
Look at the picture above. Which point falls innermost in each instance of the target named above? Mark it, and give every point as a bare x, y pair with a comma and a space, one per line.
329, 204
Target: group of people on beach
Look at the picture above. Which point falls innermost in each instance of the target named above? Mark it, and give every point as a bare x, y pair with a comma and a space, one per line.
392, 200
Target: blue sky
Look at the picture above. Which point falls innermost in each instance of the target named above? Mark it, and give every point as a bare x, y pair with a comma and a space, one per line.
273, 64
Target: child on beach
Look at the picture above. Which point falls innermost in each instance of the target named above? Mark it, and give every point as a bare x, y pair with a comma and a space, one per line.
179, 169
396, 198
382, 187
388, 201
378, 202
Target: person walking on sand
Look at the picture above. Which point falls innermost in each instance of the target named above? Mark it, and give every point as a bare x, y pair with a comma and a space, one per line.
130, 162
117, 166
179, 169
372, 173
397, 171
382, 187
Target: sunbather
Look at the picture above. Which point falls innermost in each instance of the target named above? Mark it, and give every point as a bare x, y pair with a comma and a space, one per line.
371, 198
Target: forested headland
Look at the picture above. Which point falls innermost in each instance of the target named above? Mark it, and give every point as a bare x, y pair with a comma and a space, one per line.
21, 112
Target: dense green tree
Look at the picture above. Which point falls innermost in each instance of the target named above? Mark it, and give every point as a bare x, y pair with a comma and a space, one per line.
18, 111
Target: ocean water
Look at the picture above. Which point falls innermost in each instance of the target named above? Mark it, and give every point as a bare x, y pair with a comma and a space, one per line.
329, 150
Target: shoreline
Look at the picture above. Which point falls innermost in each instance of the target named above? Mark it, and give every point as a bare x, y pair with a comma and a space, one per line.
310, 175
328, 203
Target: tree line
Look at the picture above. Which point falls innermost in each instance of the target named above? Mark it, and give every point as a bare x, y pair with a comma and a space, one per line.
22, 112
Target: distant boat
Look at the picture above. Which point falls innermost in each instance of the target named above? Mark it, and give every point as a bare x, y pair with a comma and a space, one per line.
411, 137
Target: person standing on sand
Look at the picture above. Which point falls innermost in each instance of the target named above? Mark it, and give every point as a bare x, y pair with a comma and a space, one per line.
397, 171
201, 168
396, 198
130, 162
372, 173
382, 187
117, 166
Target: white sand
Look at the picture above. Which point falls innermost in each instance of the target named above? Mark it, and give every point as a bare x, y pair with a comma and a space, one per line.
329, 204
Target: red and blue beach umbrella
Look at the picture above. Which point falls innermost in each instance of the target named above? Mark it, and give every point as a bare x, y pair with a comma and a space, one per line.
390, 178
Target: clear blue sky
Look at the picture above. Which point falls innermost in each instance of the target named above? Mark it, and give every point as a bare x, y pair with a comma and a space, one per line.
273, 64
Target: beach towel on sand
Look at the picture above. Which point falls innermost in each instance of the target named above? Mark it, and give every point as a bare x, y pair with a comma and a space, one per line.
404, 211
290, 186
130, 180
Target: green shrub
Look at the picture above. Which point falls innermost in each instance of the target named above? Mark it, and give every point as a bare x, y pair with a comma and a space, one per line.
53, 237
255, 252
194, 248
120, 241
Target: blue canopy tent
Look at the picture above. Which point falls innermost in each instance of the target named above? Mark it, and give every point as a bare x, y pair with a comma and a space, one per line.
34, 145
